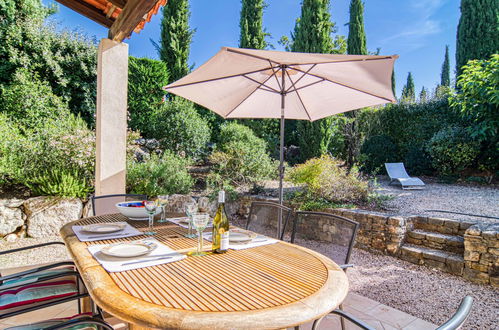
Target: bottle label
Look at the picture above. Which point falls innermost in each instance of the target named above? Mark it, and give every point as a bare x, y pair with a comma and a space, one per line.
221, 196
224, 241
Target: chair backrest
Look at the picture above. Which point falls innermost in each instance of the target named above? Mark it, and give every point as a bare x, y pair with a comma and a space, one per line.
264, 217
336, 238
396, 170
106, 204
457, 320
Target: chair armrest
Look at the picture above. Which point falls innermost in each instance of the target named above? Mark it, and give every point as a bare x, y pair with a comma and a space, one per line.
35, 270
462, 313
346, 266
352, 319
30, 247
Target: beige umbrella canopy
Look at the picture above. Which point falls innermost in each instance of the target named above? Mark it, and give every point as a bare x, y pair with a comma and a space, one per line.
249, 83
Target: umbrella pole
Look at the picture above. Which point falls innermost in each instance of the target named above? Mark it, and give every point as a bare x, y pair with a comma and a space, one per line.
281, 153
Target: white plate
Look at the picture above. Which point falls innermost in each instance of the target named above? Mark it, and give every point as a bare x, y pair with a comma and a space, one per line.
104, 228
127, 250
240, 236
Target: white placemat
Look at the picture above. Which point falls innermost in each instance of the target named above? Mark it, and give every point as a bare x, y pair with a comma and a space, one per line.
84, 236
183, 225
260, 240
161, 255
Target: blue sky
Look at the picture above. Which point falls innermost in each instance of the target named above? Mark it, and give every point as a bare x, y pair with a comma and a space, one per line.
417, 30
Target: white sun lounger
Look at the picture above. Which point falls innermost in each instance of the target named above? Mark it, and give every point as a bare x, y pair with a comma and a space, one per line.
397, 173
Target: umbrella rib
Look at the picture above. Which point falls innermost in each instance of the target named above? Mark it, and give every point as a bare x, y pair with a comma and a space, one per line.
270, 89
299, 97
308, 85
231, 111
219, 78
303, 75
251, 55
275, 75
350, 60
348, 86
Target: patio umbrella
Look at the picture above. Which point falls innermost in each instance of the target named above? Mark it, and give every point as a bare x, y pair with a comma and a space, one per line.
250, 83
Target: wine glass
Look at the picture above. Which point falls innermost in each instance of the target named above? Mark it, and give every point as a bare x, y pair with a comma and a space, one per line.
190, 209
151, 207
163, 201
203, 204
200, 221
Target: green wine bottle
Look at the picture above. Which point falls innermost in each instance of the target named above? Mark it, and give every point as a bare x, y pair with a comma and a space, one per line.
220, 238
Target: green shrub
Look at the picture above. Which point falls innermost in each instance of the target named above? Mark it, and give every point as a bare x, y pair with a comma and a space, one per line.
452, 150
376, 151
166, 174
59, 182
179, 128
30, 102
325, 180
146, 78
417, 161
240, 158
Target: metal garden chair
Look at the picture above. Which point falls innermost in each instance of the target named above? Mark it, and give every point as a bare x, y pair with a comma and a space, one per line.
454, 323
264, 216
105, 204
339, 239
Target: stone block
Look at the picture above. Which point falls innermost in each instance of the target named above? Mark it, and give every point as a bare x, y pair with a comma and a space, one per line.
413, 241
412, 252
436, 221
486, 259
395, 230
438, 238
439, 256
416, 235
471, 255
494, 281
466, 224
411, 259
378, 219
494, 251
455, 264
377, 227
474, 245
378, 244
11, 218
480, 267
476, 276
489, 234
47, 215
396, 221
392, 248
452, 224
474, 230
435, 264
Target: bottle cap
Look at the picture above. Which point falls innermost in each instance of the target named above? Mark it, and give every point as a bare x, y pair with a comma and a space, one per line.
221, 196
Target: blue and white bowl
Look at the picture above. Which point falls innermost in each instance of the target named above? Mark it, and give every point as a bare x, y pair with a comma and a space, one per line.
135, 210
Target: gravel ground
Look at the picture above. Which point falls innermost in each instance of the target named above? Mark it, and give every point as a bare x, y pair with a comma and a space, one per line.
420, 291
428, 294
471, 199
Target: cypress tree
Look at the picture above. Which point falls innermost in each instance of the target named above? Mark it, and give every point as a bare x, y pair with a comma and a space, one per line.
408, 92
356, 44
312, 34
176, 36
445, 74
477, 32
252, 35
423, 95
393, 84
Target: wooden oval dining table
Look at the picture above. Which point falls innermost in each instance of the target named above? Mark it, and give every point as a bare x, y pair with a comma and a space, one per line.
274, 286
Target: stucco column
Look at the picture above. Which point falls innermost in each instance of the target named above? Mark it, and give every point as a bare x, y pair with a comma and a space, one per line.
111, 128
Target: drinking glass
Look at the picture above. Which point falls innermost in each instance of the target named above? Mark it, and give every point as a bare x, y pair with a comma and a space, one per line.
200, 221
190, 209
151, 207
163, 201
203, 204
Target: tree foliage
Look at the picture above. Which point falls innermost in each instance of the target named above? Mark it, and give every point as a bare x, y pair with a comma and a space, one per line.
477, 31
445, 74
175, 40
423, 95
65, 60
146, 78
408, 92
356, 42
251, 25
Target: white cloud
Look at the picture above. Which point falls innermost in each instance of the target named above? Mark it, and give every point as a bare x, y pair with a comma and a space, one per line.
423, 24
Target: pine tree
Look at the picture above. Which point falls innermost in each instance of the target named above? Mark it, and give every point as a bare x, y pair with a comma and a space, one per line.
408, 92
312, 34
356, 43
252, 34
176, 38
477, 32
423, 95
445, 74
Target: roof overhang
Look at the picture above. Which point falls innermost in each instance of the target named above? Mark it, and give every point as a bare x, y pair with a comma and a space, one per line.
121, 17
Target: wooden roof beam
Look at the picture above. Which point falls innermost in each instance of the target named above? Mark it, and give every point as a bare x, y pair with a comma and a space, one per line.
88, 11
118, 3
131, 15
